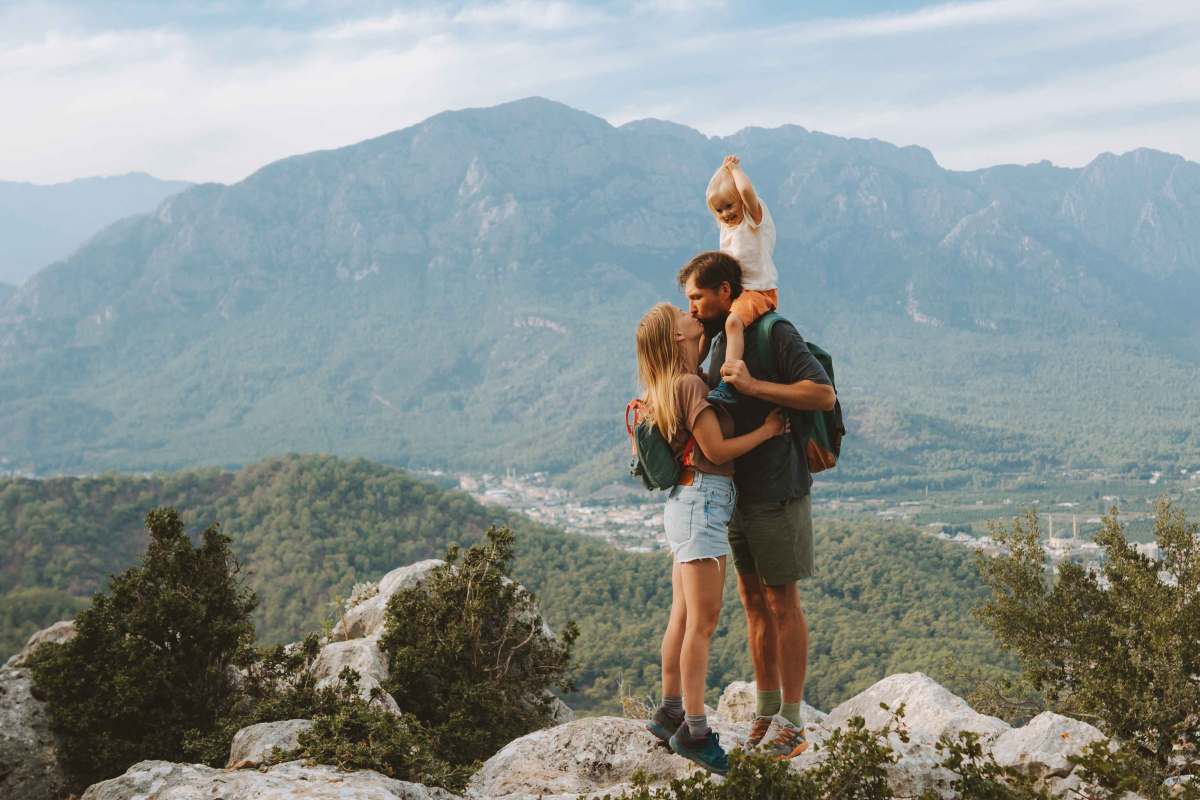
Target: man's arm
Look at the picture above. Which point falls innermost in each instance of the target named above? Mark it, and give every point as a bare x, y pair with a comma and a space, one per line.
802, 395
804, 385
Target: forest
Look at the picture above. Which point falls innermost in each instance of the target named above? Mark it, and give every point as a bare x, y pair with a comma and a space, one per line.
306, 529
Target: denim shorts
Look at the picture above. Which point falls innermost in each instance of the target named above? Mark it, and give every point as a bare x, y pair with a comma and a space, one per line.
695, 517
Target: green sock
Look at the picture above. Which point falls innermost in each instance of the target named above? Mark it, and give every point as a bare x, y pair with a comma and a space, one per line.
768, 703
791, 712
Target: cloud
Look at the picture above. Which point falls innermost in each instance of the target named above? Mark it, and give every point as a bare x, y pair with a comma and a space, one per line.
976, 82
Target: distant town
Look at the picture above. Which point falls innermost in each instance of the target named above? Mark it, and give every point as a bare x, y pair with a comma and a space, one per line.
634, 524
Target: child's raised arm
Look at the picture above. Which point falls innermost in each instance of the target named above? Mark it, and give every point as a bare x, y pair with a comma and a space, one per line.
744, 187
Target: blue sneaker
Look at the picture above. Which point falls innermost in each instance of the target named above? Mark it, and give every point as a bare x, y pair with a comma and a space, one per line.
724, 395
663, 725
705, 751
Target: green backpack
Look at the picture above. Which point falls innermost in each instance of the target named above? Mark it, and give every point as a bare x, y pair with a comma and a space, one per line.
818, 433
654, 462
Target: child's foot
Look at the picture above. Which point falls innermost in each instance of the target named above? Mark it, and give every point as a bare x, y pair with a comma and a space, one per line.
663, 725
705, 751
724, 395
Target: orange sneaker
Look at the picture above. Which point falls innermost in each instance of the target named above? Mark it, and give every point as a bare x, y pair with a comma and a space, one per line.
789, 740
758, 730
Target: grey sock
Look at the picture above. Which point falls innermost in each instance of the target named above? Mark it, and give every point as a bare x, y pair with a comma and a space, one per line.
791, 712
673, 706
697, 725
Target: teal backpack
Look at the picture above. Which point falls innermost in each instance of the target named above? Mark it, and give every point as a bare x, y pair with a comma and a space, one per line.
818, 433
653, 460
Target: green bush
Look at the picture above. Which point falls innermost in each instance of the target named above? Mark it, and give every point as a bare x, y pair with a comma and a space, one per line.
363, 734
154, 657
469, 655
1120, 648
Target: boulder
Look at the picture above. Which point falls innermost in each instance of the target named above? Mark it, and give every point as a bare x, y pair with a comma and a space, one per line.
930, 709
1041, 746
59, 632
293, 780
254, 745
367, 618
596, 755
739, 699
361, 655
29, 767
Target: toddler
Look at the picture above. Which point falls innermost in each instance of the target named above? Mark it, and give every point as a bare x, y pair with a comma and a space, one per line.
747, 234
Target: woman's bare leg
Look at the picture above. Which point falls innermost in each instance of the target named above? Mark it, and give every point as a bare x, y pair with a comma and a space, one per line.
703, 582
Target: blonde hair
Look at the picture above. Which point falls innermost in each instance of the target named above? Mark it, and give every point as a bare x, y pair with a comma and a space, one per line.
660, 366
720, 185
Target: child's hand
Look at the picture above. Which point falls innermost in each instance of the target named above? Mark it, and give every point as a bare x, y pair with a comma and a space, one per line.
777, 423
731, 163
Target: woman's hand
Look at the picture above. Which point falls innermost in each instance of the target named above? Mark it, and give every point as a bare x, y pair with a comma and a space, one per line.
776, 423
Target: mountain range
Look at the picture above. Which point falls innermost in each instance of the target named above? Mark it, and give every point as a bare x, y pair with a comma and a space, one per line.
463, 293
41, 224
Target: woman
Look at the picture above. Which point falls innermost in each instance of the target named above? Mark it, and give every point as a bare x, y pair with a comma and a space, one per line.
696, 512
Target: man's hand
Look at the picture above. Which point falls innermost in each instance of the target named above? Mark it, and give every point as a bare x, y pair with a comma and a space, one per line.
731, 163
736, 375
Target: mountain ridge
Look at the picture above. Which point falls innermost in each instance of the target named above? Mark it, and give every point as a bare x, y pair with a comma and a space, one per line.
279, 313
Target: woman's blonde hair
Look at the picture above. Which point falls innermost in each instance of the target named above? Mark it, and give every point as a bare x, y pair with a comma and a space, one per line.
719, 186
660, 366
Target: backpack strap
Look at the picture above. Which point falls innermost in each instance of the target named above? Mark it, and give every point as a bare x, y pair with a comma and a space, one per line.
764, 353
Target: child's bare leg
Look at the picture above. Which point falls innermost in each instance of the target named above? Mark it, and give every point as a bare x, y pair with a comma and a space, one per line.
735, 338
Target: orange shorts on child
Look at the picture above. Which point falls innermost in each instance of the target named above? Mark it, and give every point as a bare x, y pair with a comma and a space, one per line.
752, 304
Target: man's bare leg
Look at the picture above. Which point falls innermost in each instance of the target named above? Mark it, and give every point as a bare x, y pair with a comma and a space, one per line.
762, 633
783, 603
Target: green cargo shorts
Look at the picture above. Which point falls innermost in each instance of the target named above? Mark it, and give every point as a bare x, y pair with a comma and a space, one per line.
773, 540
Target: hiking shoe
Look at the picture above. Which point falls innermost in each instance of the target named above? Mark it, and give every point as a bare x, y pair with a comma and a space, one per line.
663, 725
758, 730
724, 395
789, 740
705, 751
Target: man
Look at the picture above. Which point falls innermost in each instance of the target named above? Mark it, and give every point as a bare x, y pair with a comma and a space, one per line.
770, 533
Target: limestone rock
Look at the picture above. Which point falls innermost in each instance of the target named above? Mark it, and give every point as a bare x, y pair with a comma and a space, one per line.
166, 781
367, 618
930, 709
255, 744
59, 632
29, 767
361, 655
1041, 746
596, 755
740, 698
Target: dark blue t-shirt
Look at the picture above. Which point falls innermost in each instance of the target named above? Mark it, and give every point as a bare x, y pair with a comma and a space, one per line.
776, 470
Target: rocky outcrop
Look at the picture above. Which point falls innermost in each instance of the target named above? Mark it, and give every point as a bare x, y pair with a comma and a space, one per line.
256, 744
29, 767
738, 702
1041, 746
59, 632
366, 618
361, 655
930, 709
292, 780
597, 755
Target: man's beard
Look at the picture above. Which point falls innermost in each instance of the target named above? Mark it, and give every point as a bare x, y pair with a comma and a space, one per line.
713, 326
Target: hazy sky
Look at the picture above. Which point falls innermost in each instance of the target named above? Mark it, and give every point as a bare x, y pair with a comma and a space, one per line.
214, 92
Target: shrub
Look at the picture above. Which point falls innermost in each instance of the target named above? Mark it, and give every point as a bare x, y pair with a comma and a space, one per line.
1120, 647
469, 655
356, 733
153, 657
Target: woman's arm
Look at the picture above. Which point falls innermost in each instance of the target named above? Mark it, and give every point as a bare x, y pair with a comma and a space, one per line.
719, 450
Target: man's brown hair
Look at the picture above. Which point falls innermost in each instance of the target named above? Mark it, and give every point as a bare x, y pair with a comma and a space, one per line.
711, 269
